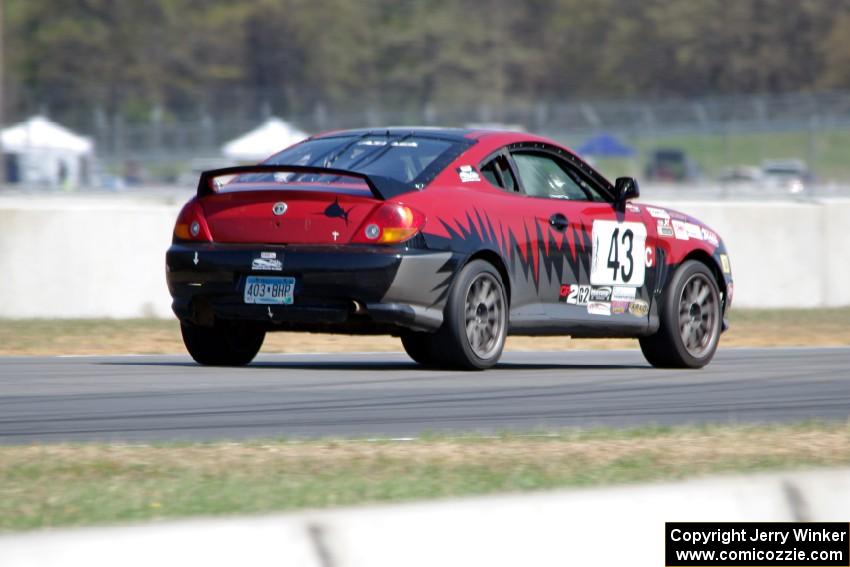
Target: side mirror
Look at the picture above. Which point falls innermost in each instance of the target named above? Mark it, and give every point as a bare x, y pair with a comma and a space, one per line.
625, 189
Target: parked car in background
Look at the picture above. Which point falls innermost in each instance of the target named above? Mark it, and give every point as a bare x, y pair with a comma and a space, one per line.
791, 175
742, 179
744, 174
671, 165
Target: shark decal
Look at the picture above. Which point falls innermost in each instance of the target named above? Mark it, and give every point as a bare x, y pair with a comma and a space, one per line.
335, 210
539, 252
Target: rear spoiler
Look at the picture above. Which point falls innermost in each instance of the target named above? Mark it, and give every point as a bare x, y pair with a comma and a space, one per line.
381, 187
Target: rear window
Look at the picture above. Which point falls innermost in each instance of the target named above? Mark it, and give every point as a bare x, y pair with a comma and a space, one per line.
406, 158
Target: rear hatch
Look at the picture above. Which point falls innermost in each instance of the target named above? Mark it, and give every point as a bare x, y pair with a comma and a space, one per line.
287, 208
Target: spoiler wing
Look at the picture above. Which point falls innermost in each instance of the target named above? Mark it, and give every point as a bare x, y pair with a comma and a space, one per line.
382, 188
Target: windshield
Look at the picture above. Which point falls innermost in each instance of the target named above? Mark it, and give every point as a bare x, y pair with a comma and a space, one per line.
408, 158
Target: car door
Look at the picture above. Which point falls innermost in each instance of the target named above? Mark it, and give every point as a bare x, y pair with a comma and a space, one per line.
592, 254
522, 239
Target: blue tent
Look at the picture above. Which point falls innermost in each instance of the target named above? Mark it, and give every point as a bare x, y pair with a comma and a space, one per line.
605, 146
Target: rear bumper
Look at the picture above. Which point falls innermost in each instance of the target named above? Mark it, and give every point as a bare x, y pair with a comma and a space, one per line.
358, 289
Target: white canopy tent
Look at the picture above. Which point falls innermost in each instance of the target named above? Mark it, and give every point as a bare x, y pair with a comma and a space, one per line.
43, 152
270, 137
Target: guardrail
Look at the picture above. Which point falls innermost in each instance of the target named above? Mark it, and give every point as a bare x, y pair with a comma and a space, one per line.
607, 526
99, 256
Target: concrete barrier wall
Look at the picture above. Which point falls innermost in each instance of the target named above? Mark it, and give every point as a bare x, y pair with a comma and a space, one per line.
609, 526
97, 257
783, 254
84, 257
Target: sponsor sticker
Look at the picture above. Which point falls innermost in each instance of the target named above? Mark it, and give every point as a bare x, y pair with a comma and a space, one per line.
268, 255
632, 208
598, 308
600, 294
626, 294
379, 143
639, 308
680, 229
710, 236
619, 307
724, 263
650, 257
658, 213
694, 231
664, 228
576, 294
266, 265
467, 174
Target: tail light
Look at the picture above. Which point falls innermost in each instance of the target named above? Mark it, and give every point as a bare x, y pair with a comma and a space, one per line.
191, 224
390, 223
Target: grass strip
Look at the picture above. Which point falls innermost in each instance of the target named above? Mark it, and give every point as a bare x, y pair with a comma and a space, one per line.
65, 485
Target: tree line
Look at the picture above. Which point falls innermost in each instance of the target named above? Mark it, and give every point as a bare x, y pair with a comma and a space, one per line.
130, 56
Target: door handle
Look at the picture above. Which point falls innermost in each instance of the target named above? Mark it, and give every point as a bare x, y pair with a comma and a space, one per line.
558, 222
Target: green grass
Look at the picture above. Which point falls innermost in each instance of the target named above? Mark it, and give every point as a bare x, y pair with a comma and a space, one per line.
833, 316
825, 151
62, 485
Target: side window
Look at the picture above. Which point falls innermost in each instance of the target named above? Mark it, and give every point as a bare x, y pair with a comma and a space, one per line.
543, 175
498, 172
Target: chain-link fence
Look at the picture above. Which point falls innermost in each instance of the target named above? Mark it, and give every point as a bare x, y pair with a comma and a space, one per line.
709, 139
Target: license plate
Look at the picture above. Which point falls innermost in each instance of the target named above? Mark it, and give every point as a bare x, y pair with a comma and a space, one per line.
269, 291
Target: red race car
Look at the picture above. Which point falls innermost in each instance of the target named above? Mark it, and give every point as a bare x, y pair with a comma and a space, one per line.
448, 238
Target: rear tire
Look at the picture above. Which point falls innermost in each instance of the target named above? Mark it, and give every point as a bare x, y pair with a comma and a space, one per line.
475, 320
418, 346
223, 344
690, 317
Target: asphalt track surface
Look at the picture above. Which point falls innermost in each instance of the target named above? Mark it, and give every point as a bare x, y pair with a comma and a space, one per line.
161, 398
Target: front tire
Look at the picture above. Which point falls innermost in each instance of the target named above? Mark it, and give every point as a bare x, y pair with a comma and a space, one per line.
691, 320
223, 344
476, 320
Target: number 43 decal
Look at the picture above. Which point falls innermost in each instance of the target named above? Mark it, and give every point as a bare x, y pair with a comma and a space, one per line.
618, 253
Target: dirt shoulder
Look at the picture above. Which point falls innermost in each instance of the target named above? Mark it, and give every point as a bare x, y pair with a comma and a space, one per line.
750, 328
